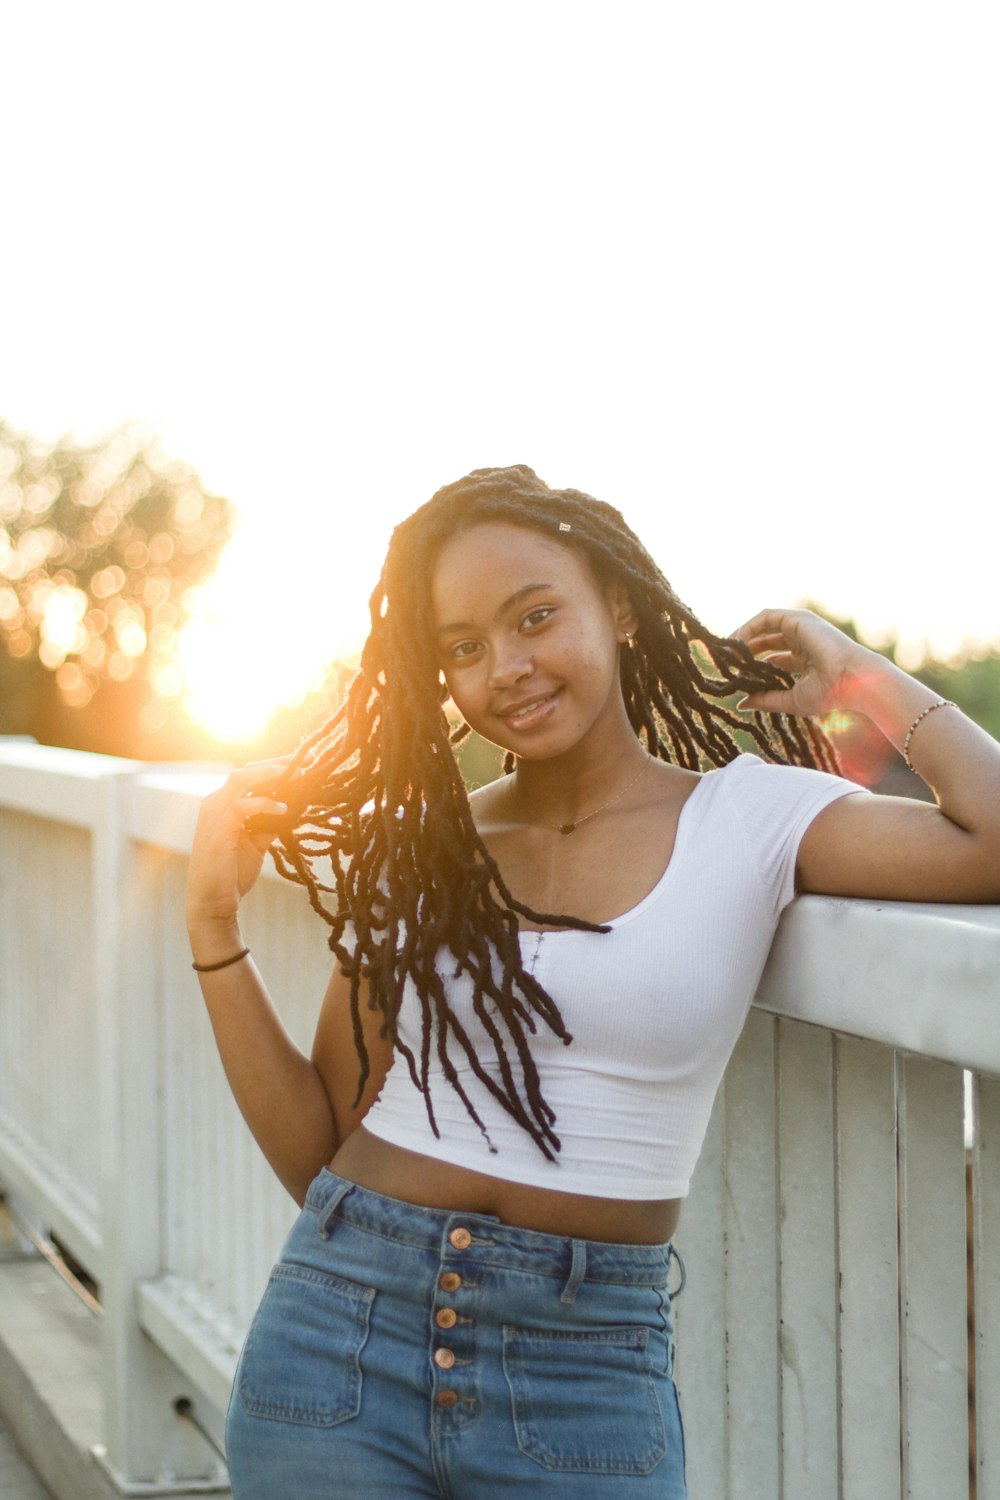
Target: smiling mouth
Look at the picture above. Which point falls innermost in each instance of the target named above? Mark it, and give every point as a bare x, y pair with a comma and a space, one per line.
529, 713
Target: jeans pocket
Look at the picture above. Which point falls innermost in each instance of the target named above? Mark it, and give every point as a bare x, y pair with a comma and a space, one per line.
584, 1402
301, 1361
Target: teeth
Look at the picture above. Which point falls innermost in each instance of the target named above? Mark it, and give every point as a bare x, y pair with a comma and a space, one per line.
529, 707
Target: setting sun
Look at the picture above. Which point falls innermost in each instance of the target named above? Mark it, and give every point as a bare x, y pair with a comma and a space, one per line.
261, 637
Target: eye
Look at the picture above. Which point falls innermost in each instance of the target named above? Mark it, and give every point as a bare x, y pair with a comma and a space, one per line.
537, 616
461, 649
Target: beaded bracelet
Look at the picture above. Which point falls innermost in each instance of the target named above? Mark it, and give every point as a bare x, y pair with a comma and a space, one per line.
941, 703
211, 968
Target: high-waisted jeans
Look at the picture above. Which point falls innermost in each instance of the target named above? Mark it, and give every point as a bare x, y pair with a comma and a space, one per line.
408, 1351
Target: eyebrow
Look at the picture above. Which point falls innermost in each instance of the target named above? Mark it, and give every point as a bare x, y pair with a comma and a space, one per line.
515, 598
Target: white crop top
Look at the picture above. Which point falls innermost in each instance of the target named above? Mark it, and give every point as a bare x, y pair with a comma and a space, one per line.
655, 1006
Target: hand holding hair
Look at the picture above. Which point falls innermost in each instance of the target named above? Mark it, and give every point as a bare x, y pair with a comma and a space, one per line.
825, 662
226, 859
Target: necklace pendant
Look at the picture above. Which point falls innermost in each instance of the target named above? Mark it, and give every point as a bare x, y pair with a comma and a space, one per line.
566, 827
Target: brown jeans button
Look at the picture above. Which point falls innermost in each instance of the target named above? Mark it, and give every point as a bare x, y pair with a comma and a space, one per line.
460, 1238
444, 1358
447, 1398
449, 1281
446, 1317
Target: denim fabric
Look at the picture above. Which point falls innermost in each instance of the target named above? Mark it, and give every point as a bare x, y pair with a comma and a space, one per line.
407, 1351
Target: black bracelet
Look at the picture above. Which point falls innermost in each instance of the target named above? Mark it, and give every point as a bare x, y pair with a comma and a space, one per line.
210, 968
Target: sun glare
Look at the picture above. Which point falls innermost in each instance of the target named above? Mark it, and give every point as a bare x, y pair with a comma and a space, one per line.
258, 639
237, 672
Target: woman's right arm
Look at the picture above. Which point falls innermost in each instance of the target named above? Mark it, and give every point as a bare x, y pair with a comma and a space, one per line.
280, 1093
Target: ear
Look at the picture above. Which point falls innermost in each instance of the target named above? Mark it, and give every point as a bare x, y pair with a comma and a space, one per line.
622, 611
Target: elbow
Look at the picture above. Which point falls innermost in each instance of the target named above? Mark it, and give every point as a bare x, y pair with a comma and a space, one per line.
297, 1184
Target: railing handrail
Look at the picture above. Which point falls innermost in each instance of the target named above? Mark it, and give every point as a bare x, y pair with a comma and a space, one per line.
837, 962
886, 971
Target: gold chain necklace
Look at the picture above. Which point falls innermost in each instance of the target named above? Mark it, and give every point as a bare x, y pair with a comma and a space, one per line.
572, 827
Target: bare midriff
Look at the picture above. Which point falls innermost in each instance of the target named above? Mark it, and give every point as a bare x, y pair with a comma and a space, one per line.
398, 1173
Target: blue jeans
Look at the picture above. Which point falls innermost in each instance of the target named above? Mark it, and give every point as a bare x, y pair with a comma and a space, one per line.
408, 1351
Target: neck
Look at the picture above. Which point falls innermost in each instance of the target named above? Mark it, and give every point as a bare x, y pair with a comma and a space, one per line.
565, 790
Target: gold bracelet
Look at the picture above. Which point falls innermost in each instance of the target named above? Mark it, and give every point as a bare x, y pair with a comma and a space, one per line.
941, 703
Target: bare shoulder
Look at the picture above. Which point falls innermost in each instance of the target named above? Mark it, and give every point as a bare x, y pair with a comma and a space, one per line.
675, 780
488, 805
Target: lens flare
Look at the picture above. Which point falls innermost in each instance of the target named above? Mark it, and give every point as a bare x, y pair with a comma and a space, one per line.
263, 631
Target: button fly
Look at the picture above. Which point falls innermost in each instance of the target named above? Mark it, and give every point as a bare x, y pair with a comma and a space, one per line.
450, 1281
444, 1358
460, 1238
446, 1317
447, 1398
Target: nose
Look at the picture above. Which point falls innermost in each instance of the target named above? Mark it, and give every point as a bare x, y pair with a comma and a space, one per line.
509, 664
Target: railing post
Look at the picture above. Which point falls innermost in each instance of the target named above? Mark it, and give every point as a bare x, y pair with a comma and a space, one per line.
750, 1218
807, 1263
986, 1231
868, 1271
146, 1443
934, 1290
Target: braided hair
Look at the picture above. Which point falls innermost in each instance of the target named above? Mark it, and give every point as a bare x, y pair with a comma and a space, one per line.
378, 792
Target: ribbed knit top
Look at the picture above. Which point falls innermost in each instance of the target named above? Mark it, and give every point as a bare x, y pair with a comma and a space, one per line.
655, 1006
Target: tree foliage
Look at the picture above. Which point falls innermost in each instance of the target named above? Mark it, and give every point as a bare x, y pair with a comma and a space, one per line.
972, 681
974, 684
99, 545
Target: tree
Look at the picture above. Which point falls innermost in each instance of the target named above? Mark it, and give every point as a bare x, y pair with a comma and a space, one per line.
98, 547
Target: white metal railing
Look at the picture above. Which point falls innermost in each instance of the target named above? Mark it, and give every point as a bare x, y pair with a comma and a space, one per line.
823, 1333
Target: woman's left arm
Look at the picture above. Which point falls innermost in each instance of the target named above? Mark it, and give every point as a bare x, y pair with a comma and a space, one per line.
892, 848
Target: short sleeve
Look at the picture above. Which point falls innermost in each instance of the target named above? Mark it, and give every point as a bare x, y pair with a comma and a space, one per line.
775, 805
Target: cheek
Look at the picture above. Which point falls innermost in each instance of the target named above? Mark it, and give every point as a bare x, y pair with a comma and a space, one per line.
597, 652
459, 687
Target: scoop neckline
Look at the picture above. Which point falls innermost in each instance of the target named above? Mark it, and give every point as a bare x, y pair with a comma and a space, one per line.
652, 894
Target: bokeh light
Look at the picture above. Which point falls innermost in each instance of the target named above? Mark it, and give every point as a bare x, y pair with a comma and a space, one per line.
100, 546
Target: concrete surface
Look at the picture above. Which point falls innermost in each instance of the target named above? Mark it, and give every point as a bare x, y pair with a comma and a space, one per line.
17, 1480
50, 1389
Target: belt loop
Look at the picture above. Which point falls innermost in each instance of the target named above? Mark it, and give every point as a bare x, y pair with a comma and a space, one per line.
325, 1225
673, 1254
577, 1271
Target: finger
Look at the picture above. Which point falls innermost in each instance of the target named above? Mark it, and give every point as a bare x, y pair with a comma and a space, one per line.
765, 622
230, 817
247, 779
261, 841
766, 703
248, 807
267, 824
761, 643
786, 660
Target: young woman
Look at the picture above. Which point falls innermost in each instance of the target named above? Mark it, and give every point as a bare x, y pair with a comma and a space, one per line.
536, 989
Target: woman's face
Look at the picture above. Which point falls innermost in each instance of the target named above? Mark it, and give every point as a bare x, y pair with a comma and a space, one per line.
528, 639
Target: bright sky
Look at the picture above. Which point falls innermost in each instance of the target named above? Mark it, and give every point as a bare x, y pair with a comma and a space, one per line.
732, 267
